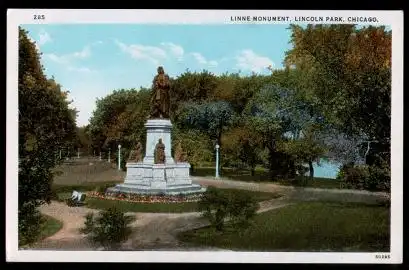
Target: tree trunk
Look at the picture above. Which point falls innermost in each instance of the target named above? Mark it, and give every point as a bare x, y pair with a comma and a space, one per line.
311, 169
271, 165
253, 170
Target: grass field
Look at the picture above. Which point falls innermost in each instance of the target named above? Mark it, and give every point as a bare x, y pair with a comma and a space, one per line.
124, 206
87, 170
51, 226
305, 227
262, 176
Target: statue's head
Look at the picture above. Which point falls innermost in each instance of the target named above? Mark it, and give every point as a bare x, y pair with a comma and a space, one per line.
161, 70
160, 140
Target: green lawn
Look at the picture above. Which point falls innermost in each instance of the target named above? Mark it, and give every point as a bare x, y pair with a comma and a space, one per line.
97, 203
261, 175
50, 227
311, 226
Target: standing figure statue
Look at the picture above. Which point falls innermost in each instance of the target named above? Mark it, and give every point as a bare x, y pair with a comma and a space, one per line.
136, 155
160, 101
159, 157
180, 153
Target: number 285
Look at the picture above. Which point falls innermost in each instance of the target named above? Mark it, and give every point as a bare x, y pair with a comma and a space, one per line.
39, 17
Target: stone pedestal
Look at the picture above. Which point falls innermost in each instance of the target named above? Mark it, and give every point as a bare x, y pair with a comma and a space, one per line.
158, 129
145, 177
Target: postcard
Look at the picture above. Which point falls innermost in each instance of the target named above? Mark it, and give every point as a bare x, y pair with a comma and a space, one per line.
205, 136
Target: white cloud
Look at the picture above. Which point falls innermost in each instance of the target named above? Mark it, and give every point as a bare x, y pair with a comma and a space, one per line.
80, 69
58, 59
175, 49
68, 58
249, 60
142, 52
203, 61
84, 53
44, 37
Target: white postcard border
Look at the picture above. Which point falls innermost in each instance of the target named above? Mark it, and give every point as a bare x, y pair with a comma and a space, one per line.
15, 17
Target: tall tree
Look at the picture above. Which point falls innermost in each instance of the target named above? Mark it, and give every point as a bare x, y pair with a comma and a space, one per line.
348, 70
46, 124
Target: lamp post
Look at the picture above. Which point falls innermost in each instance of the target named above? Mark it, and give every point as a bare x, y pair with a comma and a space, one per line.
217, 160
119, 157
78, 153
109, 155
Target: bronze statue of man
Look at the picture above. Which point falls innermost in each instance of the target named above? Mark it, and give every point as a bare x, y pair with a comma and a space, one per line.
159, 157
160, 102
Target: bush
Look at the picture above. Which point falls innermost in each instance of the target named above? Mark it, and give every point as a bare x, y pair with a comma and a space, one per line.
109, 229
214, 205
217, 205
242, 208
373, 178
29, 225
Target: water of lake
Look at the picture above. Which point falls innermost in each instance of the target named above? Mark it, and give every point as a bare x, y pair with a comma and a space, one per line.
326, 169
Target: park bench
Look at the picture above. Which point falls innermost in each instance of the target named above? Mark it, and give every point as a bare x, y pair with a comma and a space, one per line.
77, 199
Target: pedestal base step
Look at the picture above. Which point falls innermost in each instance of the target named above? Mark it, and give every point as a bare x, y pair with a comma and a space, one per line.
146, 190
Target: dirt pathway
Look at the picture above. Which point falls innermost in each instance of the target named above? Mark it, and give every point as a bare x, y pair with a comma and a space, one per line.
152, 231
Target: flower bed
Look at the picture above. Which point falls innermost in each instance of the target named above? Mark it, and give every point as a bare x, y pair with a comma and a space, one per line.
117, 196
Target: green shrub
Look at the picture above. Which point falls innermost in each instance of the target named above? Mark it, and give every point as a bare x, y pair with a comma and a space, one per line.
241, 209
29, 225
214, 206
373, 178
379, 178
217, 205
109, 229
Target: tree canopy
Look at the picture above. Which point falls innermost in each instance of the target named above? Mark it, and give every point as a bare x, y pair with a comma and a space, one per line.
46, 124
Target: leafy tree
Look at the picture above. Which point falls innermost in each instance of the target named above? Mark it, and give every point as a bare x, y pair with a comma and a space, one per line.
348, 70
306, 149
83, 139
190, 87
242, 144
271, 114
196, 144
46, 124
237, 90
211, 117
119, 119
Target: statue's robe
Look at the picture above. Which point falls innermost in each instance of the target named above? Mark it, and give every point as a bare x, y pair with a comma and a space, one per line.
160, 96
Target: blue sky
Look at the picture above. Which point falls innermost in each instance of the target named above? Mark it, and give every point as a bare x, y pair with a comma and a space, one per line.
93, 60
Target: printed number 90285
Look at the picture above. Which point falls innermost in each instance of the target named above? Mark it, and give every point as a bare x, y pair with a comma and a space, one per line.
39, 17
